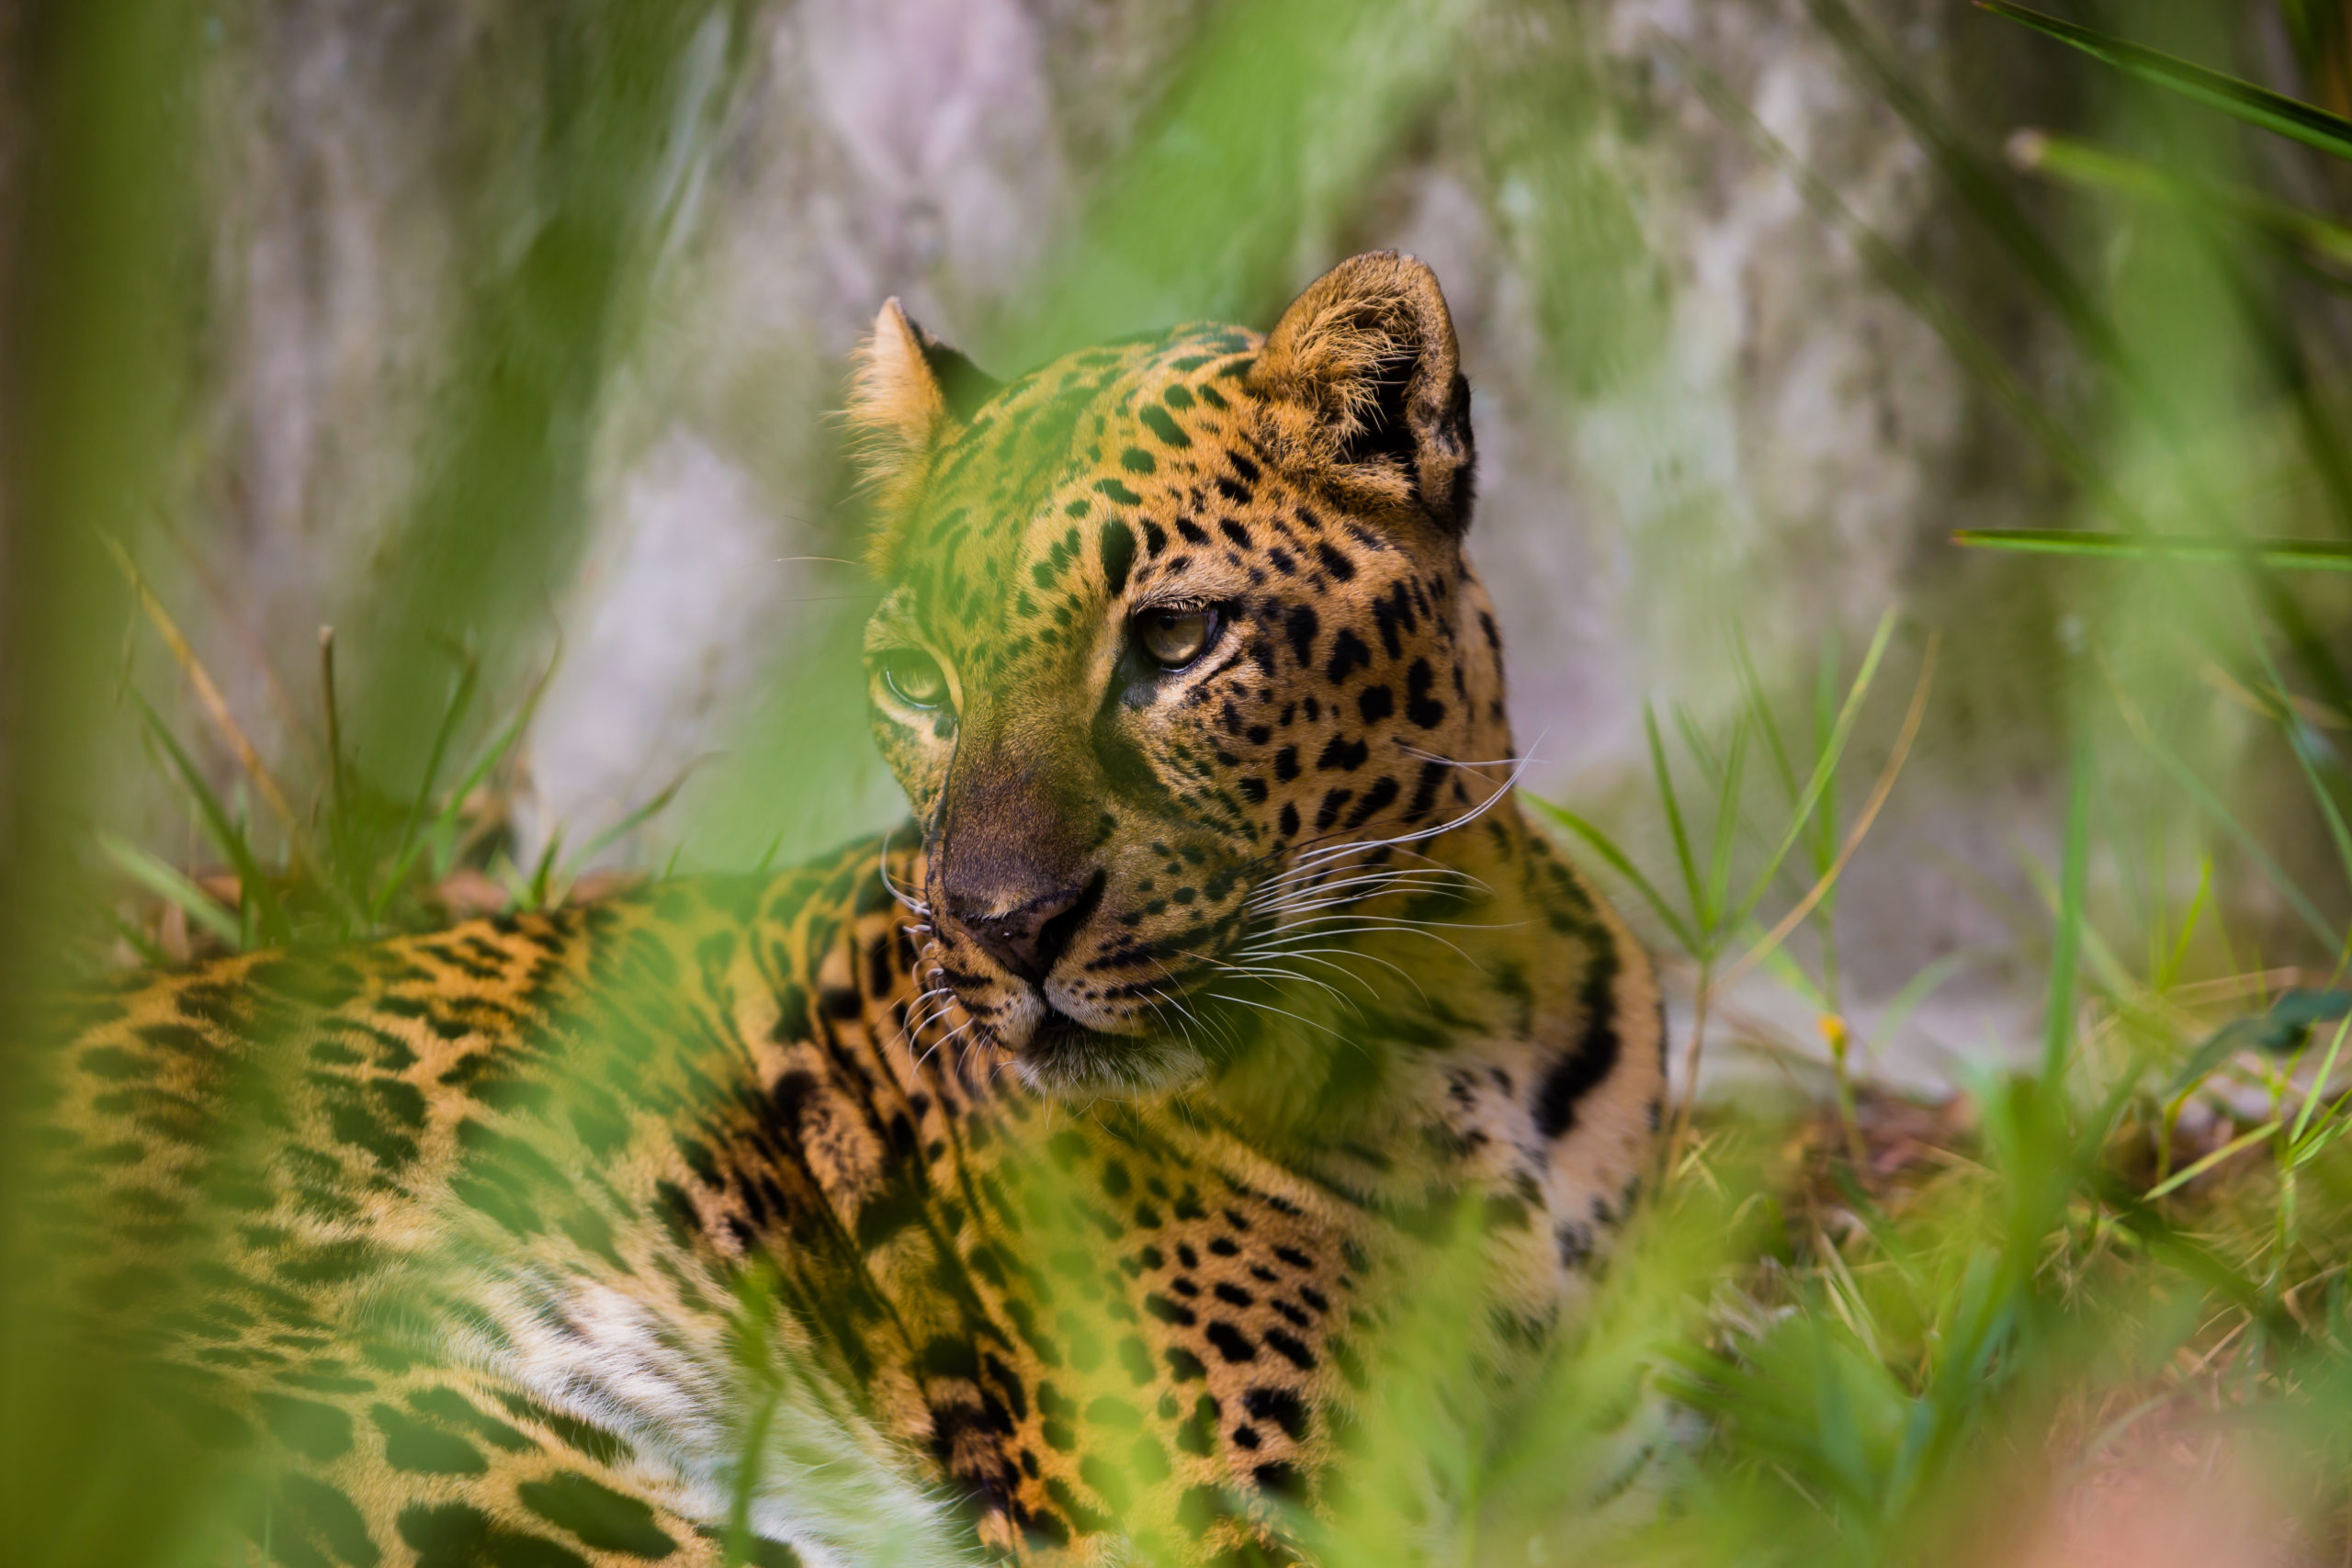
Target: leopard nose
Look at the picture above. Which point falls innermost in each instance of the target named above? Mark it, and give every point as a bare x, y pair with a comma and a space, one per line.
1030, 939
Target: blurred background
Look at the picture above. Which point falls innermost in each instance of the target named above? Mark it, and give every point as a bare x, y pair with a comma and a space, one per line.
500, 337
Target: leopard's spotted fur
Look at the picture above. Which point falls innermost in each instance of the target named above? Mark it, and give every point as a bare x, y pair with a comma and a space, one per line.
1042, 1167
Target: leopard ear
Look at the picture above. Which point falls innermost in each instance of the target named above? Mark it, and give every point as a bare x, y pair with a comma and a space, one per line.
1363, 379
907, 390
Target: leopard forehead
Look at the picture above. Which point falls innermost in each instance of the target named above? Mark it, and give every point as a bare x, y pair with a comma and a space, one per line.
1137, 472
1129, 471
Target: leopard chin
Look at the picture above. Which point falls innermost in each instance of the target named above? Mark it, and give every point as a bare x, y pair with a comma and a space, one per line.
1065, 1058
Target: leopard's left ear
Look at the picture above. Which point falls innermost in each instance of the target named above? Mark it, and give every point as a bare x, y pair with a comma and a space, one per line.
907, 390
1362, 379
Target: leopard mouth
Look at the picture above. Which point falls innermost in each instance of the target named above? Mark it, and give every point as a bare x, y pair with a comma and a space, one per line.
1066, 1056
1058, 1031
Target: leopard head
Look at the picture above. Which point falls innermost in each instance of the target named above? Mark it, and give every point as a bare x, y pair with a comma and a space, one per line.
1174, 633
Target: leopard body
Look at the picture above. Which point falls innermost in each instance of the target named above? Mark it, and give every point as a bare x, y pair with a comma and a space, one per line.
1032, 1182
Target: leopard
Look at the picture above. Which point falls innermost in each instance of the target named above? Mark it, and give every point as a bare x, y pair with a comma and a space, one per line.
1030, 1182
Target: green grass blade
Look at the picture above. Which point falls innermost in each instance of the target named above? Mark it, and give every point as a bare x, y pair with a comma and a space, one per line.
2308, 555
254, 888
1825, 765
169, 884
2210, 804
459, 701
1694, 741
638, 817
2292, 725
2319, 1081
1915, 990
1618, 862
444, 820
1752, 687
1703, 919
2058, 1020
2236, 1146
2307, 123
2096, 168
1825, 706
1726, 817
541, 887
149, 954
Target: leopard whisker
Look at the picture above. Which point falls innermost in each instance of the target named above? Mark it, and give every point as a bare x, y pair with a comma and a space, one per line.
1411, 750
883, 867
1367, 925
1421, 835
942, 1039
1272, 895
1310, 954
1264, 971
1285, 1012
1324, 896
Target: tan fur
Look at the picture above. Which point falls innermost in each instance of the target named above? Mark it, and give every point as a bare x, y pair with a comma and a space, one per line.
1317, 371
894, 413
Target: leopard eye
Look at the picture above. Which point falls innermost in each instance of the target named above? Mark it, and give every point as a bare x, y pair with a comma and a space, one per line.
915, 679
1174, 637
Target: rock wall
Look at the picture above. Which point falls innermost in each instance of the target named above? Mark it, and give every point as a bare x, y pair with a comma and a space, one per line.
1702, 409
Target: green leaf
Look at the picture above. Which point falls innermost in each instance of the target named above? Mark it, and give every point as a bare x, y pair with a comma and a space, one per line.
2307, 123
2312, 555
